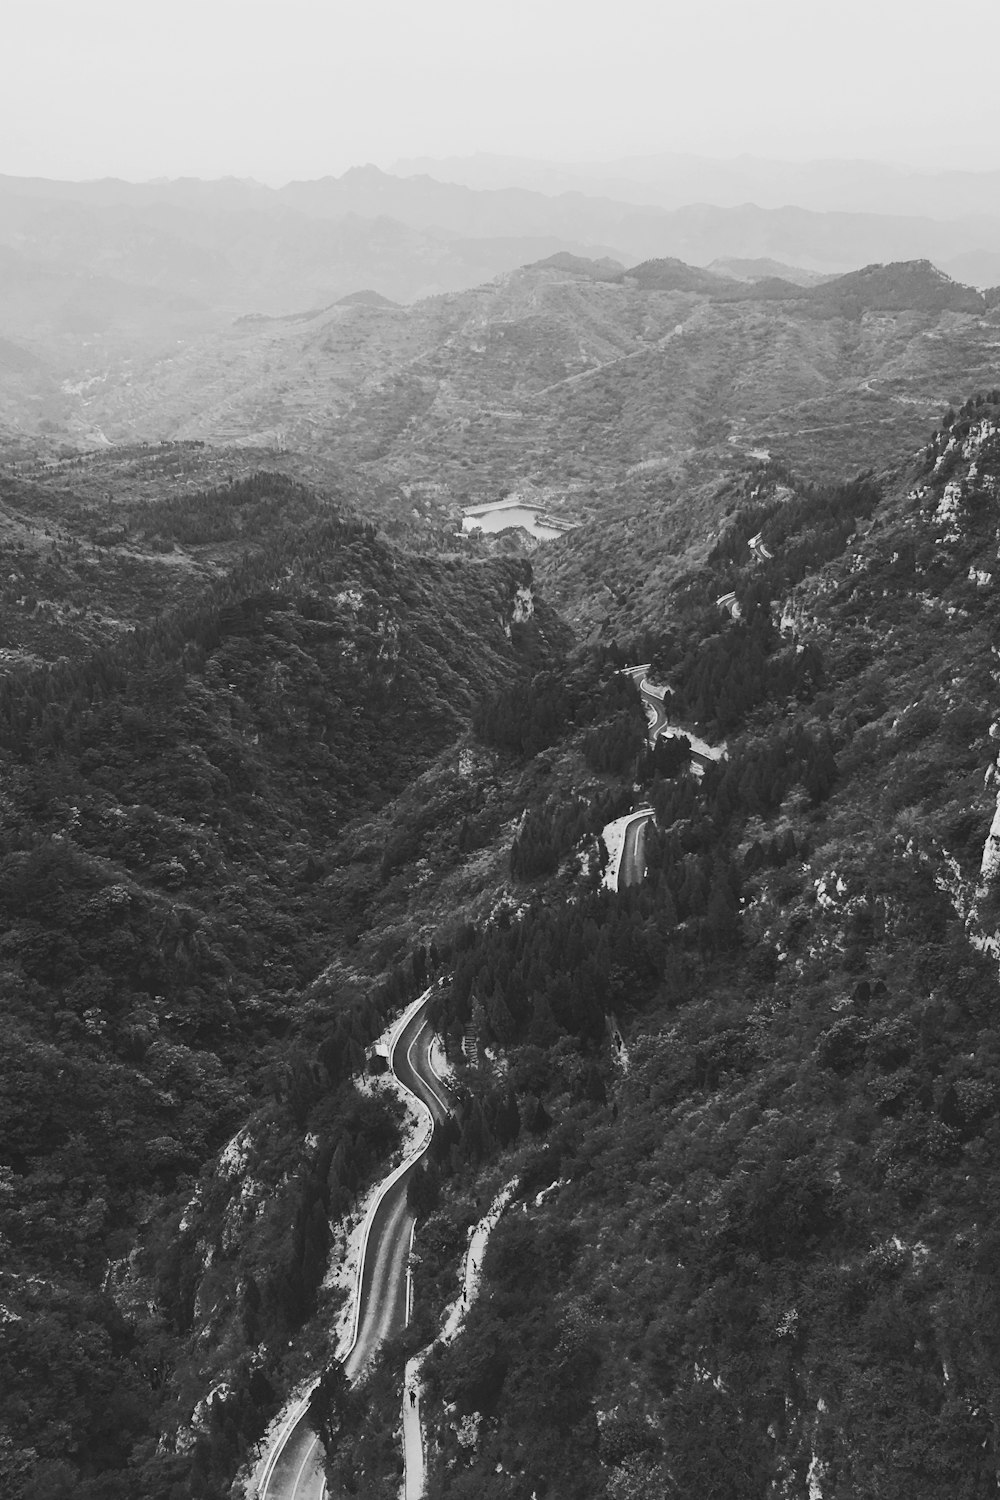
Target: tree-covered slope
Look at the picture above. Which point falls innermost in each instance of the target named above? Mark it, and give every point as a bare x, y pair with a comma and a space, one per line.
170, 806
752, 1102
764, 1259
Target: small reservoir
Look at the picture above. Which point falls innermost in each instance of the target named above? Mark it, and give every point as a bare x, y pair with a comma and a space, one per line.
503, 513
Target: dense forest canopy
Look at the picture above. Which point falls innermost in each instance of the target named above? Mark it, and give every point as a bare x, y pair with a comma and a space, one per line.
170, 802
764, 1232
751, 1103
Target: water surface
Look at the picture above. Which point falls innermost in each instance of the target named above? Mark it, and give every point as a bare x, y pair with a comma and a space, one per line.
498, 517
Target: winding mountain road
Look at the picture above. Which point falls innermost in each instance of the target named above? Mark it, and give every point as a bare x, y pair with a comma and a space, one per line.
653, 700
293, 1469
628, 857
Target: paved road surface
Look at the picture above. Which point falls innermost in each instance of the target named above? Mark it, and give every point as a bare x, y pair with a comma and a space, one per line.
653, 701
700, 757
659, 720
413, 1441
383, 1282
633, 865
652, 698
297, 1471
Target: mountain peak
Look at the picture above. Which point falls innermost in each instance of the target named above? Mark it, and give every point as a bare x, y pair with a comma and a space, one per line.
366, 298
668, 274
603, 269
917, 284
368, 172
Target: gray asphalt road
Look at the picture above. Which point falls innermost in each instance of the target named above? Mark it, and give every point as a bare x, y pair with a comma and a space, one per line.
383, 1283
297, 1472
633, 865
656, 704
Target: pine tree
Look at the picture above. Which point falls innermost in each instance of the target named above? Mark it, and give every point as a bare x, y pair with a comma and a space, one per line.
501, 1022
329, 1406
536, 1119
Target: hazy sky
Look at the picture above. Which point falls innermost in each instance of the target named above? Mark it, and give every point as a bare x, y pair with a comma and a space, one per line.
298, 88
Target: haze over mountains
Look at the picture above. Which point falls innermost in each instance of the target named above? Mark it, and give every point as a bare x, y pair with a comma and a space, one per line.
115, 264
284, 749
671, 179
588, 385
675, 180
433, 344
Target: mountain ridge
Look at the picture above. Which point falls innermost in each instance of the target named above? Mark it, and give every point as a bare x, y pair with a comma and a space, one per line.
597, 394
758, 1090
670, 179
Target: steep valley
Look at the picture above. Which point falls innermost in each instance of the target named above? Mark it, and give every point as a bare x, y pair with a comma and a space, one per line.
281, 751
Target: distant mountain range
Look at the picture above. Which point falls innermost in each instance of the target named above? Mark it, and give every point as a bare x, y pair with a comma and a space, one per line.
117, 262
586, 386
97, 279
674, 179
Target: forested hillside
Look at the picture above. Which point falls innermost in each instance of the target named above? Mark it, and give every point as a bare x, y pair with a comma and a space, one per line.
754, 1249
171, 797
751, 1101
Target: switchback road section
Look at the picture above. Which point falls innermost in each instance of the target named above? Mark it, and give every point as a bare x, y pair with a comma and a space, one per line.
293, 1469
654, 701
